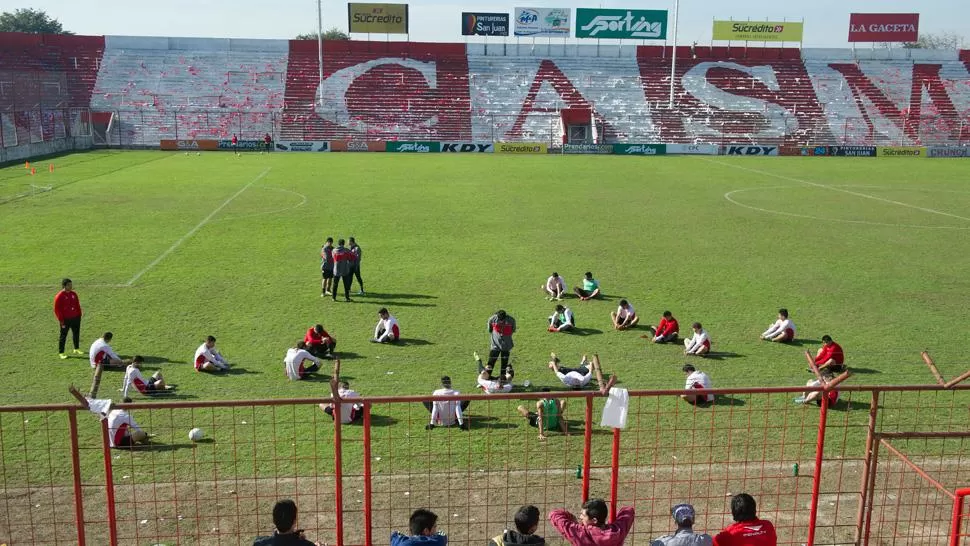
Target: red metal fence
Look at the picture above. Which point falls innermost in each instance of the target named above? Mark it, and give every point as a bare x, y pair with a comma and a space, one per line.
884, 465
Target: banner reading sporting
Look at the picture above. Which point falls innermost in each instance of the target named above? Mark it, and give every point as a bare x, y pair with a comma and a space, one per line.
542, 22
758, 31
622, 24
484, 24
883, 27
378, 18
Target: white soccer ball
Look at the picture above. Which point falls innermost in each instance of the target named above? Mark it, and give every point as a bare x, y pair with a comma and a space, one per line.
196, 434
527, 383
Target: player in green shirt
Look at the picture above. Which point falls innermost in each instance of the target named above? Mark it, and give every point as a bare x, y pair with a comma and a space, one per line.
590, 289
549, 415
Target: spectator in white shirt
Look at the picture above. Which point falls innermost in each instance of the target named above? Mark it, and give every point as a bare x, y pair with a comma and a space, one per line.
562, 319
102, 353
349, 411
208, 358
134, 378
783, 329
445, 413
555, 287
295, 357
698, 344
696, 380
123, 431
387, 329
625, 316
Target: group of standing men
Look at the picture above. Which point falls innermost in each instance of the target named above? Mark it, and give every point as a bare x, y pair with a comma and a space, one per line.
340, 264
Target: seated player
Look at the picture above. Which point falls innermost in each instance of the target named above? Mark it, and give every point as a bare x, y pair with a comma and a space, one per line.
579, 378
696, 380
134, 378
319, 343
562, 319
491, 385
387, 329
782, 331
830, 356
625, 316
666, 331
445, 413
555, 287
123, 431
698, 344
349, 411
295, 357
102, 353
549, 415
208, 358
816, 396
590, 289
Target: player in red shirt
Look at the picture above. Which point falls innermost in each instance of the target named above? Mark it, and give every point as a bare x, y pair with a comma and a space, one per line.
666, 331
830, 356
235, 144
747, 529
319, 343
67, 309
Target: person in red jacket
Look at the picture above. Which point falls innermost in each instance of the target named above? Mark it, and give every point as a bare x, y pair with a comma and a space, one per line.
666, 331
319, 343
67, 309
747, 529
830, 356
590, 529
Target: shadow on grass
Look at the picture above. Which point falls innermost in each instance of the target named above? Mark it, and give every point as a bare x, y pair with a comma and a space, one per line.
398, 300
864, 371
799, 342
345, 355
850, 405
722, 400
487, 422
171, 395
721, 355
406, 341
158, 360
583, 331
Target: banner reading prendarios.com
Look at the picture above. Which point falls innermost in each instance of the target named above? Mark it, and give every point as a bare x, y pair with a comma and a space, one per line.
378, 18
758, 31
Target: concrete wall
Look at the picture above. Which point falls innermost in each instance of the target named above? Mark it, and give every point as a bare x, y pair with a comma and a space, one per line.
26, 152
194, 44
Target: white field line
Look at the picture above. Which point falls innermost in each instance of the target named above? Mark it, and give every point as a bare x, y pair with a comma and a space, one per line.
850, 192
193, 231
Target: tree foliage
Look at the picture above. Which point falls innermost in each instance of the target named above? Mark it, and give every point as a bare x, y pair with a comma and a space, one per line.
942, 40
331, 34
33, 21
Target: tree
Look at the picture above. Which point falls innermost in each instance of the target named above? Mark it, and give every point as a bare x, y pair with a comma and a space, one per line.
331, 34
34, 21
943, 40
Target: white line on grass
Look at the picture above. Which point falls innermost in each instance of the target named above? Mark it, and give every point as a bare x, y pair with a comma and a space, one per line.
833, 188
193, 231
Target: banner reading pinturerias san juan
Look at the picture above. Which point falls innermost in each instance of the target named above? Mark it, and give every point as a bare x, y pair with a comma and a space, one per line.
883, 27
621, 24
542, 22
484, 24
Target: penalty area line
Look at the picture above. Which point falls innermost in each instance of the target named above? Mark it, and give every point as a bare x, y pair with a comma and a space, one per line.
194, 230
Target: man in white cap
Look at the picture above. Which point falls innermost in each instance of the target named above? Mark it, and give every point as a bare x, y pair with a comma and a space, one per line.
684, 516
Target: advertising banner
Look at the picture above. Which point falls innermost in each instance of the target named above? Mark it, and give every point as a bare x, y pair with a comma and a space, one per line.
378, 18
587, 149
467, 147
542, 22
189, 145
485, 24
226, 144
303, 146
357, 145
692, 149
948, 151
883, 27
900, 151
621, 24
747, 149
521, 148
640, 149
852, 151
758, 31
404, 146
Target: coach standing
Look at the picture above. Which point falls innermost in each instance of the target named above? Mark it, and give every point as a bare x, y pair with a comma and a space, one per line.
67, 309
355, 250
343, 269
501, 326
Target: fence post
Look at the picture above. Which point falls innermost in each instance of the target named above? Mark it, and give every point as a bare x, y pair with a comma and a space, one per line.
338, 473
614, 473
817, 477
76, 468
876, 441
109, 483
961, 494
367, 476
587, 445
866, 466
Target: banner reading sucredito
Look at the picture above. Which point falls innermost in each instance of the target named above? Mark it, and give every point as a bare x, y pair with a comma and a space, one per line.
758, 31
378, 18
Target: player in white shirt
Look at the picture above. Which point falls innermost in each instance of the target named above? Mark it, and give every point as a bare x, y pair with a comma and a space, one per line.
445, 413
295, 357
554, 286
625, 316
698, 344
562, 319
696, 380
123, 431
783, 329
102, 353
579, 378
134, 378
489, 384
208, 358
387, 329
349, 411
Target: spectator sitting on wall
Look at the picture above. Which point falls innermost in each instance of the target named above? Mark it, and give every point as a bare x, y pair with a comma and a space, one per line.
684, 516
526, 524
747, 529
286, 533
423, 526
591, 529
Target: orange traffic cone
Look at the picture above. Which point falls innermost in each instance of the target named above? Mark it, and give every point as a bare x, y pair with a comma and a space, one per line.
33, 171
50, 167
27, 165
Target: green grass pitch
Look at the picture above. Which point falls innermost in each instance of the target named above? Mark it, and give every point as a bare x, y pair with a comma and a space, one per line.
167, 248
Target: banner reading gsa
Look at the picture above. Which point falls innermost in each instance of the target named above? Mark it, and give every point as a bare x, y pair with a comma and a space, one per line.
621, 24
757, 31
542, 22
378, 18
484, 24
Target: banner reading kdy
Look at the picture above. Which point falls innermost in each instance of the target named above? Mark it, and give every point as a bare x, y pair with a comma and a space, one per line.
621, 24
542, 22
758, 31
378, 18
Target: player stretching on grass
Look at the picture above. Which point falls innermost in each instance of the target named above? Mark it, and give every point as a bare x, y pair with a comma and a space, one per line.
489, 384
783, 329
698, 344
625, 316
549, 415
562, 319
102, 353
293, 362
590, 289
579, 378
134, 378
555, 287
208, 358
666, 331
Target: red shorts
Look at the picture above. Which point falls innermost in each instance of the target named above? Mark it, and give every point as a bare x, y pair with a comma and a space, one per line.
789, 334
